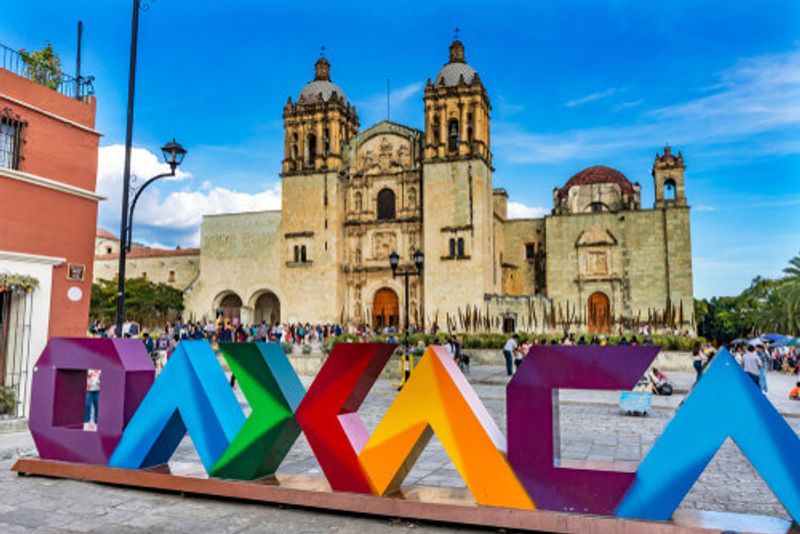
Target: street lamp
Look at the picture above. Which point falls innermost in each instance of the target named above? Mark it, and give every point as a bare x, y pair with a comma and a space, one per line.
394, 262
173, 153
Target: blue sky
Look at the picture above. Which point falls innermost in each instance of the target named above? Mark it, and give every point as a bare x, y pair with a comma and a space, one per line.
571, 83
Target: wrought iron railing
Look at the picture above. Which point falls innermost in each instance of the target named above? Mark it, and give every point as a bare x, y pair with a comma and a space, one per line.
65, 84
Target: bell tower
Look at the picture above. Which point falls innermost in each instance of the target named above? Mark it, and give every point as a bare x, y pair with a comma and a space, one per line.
668, 170
318, 125
457, 112
458, 200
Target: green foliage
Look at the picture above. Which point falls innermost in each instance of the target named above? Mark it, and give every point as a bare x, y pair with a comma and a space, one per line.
287, 346
766, 306
145, 302
306, 349
43, 66
8, 400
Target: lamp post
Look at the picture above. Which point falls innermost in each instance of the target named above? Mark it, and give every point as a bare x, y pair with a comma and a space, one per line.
394, 262
173, 154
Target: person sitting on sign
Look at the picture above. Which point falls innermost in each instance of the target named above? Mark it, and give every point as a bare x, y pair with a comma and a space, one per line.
794, 394
659, 382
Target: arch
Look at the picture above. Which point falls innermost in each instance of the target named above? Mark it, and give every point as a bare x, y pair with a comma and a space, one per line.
311, 149
386, 204
599, 313
452, 135
597, 207
228, 304
669, 189
385, 308
266, 307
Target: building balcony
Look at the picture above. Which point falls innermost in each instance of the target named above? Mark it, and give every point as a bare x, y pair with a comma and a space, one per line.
70, 86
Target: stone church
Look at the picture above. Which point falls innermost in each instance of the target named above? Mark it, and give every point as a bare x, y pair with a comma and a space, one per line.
351, 196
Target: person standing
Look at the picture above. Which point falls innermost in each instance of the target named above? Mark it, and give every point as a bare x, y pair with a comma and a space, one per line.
92, 399
763, 355
752, 364
509, 349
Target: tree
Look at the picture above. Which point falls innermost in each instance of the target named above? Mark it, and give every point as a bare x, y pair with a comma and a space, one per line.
43, 66
145, 302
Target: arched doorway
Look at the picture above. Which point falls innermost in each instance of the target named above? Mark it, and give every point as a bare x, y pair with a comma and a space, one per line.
230, 307
599, 313
267, 308
385, 308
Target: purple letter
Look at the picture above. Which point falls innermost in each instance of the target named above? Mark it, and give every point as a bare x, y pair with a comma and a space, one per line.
58, 396
531, 397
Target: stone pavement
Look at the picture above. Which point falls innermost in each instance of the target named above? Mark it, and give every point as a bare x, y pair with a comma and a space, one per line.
591, 429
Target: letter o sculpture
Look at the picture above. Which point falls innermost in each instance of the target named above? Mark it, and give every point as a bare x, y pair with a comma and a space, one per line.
58, 396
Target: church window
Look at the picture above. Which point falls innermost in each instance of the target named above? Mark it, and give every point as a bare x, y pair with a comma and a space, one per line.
296, 254
461, 247
435, 127
358, 255
530, 251
669, 189
597, 207
311, 149
109, 250
171, 276
358, 202
452, 135
452, 248
303, 257
327, 142
386, 205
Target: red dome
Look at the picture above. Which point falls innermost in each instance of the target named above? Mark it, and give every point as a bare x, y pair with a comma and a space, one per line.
597, 174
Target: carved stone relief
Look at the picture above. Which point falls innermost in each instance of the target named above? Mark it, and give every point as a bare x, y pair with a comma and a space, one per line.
383, 243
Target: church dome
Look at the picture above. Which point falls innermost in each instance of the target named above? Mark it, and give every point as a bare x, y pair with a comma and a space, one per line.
321, 89
598, 174
457, 67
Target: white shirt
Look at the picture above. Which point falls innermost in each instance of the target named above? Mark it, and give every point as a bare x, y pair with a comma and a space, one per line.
511, 345
751, 362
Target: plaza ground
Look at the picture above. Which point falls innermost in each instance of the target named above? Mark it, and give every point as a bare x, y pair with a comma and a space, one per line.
592, 428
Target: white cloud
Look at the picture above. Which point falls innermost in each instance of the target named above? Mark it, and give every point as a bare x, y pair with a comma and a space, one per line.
518, 210
759, 95
591, 97
705, 207
373, 108
180, 211
627, 105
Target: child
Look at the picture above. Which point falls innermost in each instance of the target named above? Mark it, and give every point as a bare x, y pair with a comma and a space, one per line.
794, 394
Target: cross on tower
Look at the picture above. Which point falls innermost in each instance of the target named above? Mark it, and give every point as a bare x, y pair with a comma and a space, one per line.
455, 33
322, 51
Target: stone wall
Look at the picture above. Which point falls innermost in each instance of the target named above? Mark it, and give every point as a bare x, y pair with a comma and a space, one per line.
178, 271
238, 255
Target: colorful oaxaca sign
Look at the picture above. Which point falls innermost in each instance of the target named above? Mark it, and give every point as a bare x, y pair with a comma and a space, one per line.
142, 421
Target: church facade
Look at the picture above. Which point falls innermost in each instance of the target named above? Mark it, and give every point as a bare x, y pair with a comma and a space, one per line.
350, 197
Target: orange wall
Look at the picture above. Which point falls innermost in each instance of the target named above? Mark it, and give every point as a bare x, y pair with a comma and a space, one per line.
38, 220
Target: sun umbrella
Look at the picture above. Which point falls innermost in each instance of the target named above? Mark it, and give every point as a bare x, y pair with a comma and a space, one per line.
739, 341
774, 338
756, 341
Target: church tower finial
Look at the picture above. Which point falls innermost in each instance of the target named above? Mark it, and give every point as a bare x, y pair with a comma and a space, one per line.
457, 51
322, 69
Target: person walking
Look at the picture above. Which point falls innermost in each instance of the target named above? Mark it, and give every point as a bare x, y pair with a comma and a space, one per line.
509, 349
697, 361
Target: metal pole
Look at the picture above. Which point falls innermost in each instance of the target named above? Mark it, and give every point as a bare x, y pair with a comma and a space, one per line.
126, 177
406, 310
78, 63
